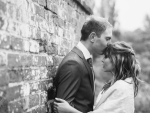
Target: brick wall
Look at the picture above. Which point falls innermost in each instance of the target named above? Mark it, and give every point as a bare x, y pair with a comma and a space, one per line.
34, 37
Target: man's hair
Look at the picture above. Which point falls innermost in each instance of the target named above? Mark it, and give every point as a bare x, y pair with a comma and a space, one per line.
125, 62
94, 24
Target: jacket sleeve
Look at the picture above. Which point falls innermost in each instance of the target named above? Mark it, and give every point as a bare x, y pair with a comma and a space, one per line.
69, 79
118, 102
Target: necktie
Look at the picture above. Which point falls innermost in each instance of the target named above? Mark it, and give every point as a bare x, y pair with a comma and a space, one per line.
89, 60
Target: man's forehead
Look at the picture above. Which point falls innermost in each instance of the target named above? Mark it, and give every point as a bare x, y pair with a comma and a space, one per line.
108, 31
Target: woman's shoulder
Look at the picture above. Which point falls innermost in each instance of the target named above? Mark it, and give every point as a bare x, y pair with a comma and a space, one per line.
124, 84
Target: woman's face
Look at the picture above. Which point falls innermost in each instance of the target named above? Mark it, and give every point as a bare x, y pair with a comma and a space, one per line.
107, 64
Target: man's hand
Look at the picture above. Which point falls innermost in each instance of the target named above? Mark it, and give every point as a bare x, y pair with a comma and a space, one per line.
62, 106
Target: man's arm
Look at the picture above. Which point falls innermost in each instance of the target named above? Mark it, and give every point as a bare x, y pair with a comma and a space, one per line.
69, 80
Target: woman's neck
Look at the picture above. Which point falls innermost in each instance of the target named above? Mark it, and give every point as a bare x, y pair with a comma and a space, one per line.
113, 79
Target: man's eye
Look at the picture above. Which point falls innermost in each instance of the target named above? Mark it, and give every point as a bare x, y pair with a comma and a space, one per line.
108, 38
105, 56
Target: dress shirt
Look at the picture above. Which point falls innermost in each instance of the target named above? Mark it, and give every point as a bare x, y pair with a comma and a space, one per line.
84, 50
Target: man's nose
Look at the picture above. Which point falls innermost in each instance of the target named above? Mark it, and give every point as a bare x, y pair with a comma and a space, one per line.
109, 42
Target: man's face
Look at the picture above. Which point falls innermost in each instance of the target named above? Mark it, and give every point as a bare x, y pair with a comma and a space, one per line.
100, 43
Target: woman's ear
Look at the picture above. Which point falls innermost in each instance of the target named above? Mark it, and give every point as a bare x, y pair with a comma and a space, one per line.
92, 36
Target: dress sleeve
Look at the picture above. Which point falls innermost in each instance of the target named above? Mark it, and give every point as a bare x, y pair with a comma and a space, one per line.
120, 101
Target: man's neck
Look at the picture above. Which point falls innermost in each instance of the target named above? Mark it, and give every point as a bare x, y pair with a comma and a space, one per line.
87, 45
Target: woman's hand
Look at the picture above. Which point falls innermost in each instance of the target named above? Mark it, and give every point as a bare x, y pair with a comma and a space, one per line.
62, 106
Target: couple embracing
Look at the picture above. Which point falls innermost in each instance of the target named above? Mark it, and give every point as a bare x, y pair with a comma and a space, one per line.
75, 88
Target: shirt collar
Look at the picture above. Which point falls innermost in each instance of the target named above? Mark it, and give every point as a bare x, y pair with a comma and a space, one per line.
84, 50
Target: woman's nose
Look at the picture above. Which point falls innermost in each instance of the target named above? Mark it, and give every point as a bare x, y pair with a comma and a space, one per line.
102, 60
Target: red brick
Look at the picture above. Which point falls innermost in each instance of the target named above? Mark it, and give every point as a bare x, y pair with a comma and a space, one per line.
4, 78
67, 50
16, 43
15, 75
35, 60
49, 4
14, 60
13, 93
38, 34
43, 98
3, 59
70, 10
51, 49
49, 60
42, 61
34, 87
62, 51
43, 73
34, 46
43, 85
43, 109
11, 11
62, 4
54, 8
55, 19
26, 60
51, 27
3, 105
35, 0
4, 41
33, 18
2, 7
27, 74
37, 110
57, 60
45, 37
13, 27
16, 107
55, 30
61, 23
34, 100
51, 71
42, 2
47, 15
65, 43
3, 23
26, 45
40, 11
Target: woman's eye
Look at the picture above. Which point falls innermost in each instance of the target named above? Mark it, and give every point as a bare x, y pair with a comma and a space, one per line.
106, 56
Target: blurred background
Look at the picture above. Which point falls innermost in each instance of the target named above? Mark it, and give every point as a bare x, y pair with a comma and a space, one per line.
131, 23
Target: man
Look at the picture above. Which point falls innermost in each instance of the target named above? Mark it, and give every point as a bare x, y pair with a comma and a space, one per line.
74, 78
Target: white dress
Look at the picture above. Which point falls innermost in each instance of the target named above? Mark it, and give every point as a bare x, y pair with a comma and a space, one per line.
119, 98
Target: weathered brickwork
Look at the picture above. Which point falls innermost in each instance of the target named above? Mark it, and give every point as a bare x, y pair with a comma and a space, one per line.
34, 37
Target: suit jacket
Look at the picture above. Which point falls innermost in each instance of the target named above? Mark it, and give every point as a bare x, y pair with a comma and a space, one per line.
74, 81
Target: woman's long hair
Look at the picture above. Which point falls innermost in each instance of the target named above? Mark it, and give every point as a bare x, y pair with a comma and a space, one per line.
125, 62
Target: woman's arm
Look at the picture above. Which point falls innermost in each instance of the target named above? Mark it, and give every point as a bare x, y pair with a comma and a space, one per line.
63, 106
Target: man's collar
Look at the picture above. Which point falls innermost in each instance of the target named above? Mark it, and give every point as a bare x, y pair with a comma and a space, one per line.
84, 50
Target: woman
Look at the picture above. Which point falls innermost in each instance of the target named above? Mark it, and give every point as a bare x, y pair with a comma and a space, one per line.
118, 95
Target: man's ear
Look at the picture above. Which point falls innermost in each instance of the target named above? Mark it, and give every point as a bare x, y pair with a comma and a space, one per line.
92, 36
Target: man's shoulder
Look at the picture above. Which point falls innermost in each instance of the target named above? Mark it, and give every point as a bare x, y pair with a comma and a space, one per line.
72, 56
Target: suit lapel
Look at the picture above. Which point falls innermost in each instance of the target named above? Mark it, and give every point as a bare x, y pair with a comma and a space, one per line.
80, 54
